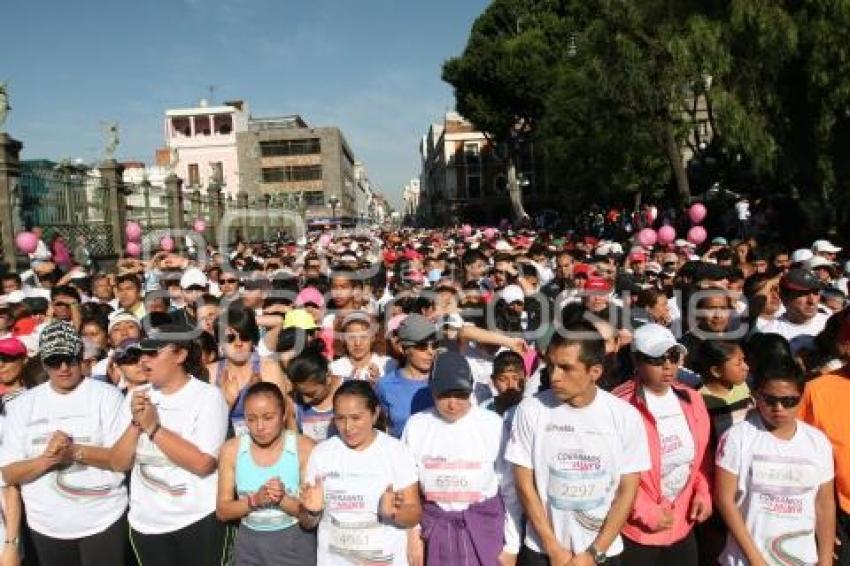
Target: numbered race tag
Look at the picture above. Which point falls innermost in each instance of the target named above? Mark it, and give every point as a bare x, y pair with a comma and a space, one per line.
578, 490
451, 482
359, 540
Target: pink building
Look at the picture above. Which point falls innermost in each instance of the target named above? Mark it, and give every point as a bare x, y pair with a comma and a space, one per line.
202, 140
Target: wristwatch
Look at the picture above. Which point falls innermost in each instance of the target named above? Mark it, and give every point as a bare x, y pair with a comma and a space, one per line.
598, 557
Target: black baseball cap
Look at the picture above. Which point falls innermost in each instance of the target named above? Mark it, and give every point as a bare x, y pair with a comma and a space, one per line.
450, 372
799, 279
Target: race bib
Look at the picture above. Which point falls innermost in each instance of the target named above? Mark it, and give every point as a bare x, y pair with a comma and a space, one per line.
780, 475
239, 427
357, 540
578, 490
451, 482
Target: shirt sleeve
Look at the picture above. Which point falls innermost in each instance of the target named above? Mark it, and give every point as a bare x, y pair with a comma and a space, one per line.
520, 444
827, 464
404, 469
635, 446
211, 425
12, 445
113, 416
729, 451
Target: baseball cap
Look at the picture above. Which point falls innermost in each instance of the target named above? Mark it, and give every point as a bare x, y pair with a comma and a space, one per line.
582, 269
720, 241
653, 267
309, 295
173, 333
818, 261
59, 339
801, 255
193, 277
126, 350
394, 323
13, 348
356, 316
16, 296
512, 294
415, 329
597, 284
799, 279
825, 246
654, 340
450, 372
299, 318
122, 316
637, 256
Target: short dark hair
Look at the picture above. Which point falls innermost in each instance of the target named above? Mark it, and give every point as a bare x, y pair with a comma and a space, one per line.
131, 277
358, 388
266, 388
242, 320
308, 366
508, 360
471, 256
587, 337
64, 291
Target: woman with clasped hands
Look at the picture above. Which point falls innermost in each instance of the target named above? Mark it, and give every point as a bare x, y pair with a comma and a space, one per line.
362, 489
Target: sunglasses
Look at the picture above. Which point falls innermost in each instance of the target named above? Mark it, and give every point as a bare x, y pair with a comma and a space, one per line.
128, 359
228, 281
430, 344
56, 362
61, 304
6, 359
673, 356
231, 337
786, 402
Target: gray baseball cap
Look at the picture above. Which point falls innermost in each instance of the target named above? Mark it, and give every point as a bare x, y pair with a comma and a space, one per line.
415, 329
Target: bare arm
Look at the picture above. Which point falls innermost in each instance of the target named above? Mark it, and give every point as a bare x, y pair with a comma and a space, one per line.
469, 333
621, 507
825, 522
25, 471
725, 486
123, 454
535, 514
228, 507
183, 453
12, 509
407, 509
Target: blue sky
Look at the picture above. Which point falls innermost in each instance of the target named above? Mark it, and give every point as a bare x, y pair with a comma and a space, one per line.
371, 67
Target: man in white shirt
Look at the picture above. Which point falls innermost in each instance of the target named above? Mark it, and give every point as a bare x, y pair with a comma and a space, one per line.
577, 453
799, 290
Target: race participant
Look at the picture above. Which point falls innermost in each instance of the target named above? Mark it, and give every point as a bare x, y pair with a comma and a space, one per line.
578, 453
173, 431
56, 447
774, 479
675, 493
314, 389
464, 484
360, 360
361, 488
259, 476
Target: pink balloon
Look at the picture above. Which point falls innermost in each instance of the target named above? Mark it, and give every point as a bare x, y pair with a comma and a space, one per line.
666, 235
697, 235
200, 225
697, 213
27, 242
134, 249
167, 243
489, 233
466, 230
647, 237
133, 231
325, 239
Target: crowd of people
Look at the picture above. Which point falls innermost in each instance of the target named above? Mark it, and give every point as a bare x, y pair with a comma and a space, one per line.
454, 397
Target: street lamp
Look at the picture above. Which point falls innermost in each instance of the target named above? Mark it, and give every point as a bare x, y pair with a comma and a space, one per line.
333, 201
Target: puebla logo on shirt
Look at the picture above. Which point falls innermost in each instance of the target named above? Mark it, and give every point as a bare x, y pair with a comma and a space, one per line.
562, 428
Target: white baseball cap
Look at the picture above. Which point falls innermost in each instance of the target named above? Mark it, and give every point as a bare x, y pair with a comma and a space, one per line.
512, 294
654, 340
193, 277
825, 246
801, 255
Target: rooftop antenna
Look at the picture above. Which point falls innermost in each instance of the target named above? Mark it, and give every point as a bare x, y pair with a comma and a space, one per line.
211, 88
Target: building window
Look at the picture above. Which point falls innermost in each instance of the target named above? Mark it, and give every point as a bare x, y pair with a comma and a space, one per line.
314, 198
473, 186
217, 172
292, 173
194, 175
472, 157
276, 148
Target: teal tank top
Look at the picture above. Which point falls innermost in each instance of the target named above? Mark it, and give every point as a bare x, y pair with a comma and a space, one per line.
250, 478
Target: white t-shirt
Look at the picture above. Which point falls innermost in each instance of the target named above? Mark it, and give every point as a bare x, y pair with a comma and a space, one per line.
798, 335
79, 500
354, 480
676, 440
577, 456
163, 496
777, 484
461, 463
343, 367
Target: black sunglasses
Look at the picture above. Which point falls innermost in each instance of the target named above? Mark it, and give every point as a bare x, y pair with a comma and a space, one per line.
56, 361
673, 356
422, 346
227, 281
9, 359
128, 359
786, 402
232, 336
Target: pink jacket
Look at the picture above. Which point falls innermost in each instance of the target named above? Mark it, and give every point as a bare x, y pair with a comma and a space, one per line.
650, 502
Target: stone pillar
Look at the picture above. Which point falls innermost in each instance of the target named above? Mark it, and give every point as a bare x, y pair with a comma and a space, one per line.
174, 196
10, 173
216, 208
111, 176
268, 221
242, 207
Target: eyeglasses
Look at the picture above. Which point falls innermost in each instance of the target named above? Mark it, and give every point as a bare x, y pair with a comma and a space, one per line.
672, 356
58, 360
430, 344
786, 402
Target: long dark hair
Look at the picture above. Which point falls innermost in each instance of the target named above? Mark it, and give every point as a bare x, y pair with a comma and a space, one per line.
363, 390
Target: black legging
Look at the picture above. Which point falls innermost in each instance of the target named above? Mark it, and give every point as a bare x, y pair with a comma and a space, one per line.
99, 549
680, 553
200, 544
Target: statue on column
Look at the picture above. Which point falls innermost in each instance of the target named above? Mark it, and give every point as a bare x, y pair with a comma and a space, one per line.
111, 130
4, 104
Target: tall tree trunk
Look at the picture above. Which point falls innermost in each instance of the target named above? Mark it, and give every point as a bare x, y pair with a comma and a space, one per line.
671, 148
514, 190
